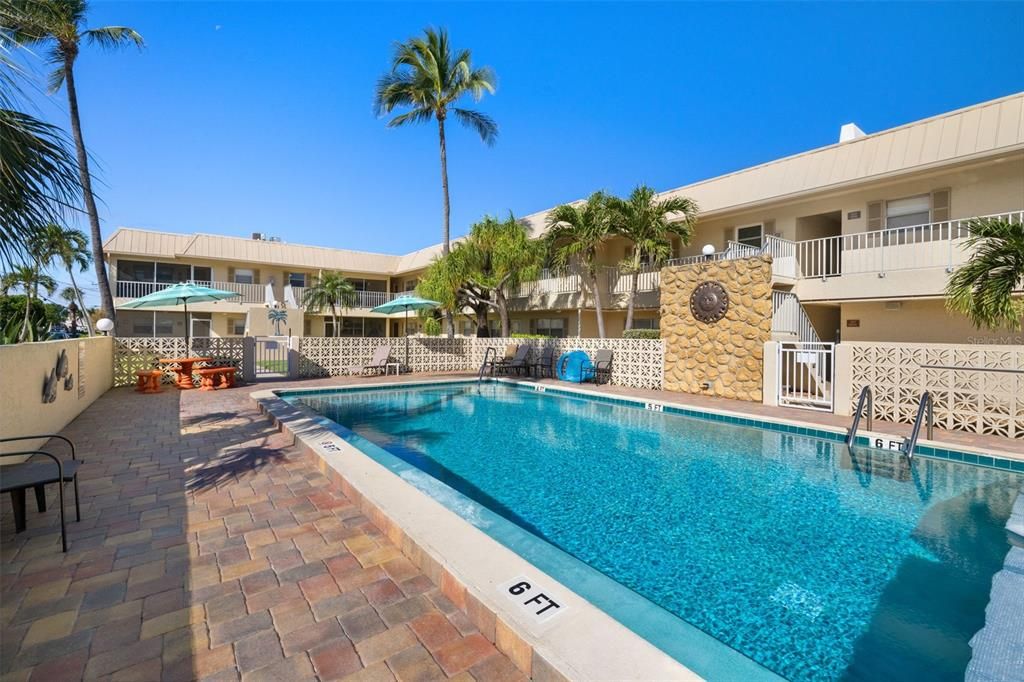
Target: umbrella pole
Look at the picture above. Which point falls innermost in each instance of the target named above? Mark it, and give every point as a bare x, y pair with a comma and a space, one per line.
407, 368
187, 325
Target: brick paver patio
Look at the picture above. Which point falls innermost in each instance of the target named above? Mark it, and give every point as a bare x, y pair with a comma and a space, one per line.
210, 549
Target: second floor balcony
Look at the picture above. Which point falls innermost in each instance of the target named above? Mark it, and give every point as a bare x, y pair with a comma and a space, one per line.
247, 293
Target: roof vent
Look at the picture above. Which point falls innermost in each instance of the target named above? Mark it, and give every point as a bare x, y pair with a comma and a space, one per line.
850, 132
258, 236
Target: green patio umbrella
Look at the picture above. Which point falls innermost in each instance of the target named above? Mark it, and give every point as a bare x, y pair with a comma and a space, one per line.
406, 302
183, 292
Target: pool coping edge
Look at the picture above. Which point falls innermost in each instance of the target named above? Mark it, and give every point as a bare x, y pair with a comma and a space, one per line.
587, 644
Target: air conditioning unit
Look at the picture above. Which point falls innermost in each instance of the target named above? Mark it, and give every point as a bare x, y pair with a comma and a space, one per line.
258, 236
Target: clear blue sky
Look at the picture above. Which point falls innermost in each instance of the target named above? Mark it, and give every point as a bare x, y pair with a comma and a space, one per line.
245, 116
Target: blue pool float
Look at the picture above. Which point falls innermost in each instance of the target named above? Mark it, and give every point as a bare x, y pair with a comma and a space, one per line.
574, 366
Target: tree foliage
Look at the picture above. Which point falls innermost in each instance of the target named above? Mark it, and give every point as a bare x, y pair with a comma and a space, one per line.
983, 288
330, 291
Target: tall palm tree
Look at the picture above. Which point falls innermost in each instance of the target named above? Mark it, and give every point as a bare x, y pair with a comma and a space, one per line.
38, 174
983, 288
72, 295
60, 25
428, 78
650, 224
331, 290
30, 278
578, 232
68, 247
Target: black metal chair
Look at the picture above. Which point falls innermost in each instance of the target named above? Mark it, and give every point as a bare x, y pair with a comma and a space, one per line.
519, 363
17, 478
602, 370
545, 364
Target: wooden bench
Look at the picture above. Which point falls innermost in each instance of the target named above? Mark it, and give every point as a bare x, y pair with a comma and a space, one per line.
209, 376
17, 478
148, 380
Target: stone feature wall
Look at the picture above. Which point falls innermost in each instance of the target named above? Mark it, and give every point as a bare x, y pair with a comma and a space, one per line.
728, 354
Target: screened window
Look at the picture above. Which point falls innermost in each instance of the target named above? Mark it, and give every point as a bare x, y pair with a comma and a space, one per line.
172, 273
237, 327
201, 273
201, 324
170, 324
373, 326
135, 271
751, 235
410, 285
297, 279
244, 276
352, 326
554, 327
908, 211
142, 325
645, 323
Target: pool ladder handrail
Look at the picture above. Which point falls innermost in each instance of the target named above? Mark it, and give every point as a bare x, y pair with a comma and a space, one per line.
480, 374
865, 395
926, 403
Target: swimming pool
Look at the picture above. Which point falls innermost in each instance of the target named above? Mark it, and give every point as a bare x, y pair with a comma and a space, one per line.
815, 563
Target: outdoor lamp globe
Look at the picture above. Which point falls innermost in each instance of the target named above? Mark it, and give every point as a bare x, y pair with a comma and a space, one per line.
105, 325
708, 249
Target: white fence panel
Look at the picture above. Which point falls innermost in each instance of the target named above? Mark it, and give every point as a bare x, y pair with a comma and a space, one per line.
805, 375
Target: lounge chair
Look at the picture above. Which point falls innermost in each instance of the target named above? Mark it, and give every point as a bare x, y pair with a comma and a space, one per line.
519, 362
545, 364
601, 371
510, 352
378, 362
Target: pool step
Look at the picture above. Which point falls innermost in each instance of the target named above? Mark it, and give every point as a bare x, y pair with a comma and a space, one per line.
997, 650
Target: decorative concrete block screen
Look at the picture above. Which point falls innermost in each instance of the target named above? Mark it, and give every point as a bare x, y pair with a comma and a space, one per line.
636, 363
331, 356
976, 388
133, 354
728, 354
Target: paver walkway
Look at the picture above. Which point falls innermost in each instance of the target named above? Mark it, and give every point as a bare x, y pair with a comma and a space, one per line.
210, 549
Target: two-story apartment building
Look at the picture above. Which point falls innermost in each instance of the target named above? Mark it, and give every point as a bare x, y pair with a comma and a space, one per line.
863, 234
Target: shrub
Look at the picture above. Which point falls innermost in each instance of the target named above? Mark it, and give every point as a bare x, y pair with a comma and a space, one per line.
641, 334
530, 336
432, 326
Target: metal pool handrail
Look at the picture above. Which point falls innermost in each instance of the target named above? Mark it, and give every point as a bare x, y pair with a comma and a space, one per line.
911, 442
865, 394
480, 374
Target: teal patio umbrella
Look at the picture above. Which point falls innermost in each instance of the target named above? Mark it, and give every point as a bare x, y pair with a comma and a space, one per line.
406, 302
180, 293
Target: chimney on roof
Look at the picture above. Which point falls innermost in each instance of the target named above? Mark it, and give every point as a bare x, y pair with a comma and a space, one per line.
849, 132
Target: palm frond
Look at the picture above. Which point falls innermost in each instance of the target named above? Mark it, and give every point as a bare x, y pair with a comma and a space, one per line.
986, 288
114, 37
483, 124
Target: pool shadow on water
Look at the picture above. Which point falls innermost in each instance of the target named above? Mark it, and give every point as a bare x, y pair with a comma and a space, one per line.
930, 609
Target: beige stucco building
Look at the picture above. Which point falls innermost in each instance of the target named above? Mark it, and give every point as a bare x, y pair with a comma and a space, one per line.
863, 235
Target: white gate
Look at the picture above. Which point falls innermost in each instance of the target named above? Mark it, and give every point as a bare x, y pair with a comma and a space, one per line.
271, 357
804, 377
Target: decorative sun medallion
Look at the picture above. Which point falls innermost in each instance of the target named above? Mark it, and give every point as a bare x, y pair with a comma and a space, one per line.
709, 302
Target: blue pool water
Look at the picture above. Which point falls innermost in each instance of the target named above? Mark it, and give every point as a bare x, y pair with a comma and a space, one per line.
813, 562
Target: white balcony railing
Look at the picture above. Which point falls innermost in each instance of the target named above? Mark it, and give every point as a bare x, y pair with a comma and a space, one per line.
619, 281
364, 299
914, 247
248, 293
550, 282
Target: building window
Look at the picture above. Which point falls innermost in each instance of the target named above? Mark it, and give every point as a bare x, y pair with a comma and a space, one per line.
352, 326
172, 273
170, 324
908, 211
142, 325
201, 325
645, 323
554, 327
751, 235
244, 276
237, 327
135, 271
297, 279
201, 273
410, 285
373, 326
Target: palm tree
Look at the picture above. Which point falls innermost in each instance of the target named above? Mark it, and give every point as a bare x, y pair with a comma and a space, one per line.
330, 290
983, 288
650, 224
72, 295
69, 247
61, 25
30, 279
38, 174
577, 232
428, 79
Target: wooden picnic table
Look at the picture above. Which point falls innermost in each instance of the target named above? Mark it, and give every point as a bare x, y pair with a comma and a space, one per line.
184, 369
